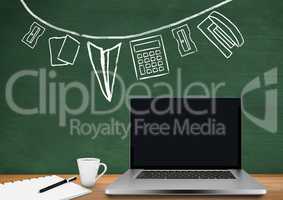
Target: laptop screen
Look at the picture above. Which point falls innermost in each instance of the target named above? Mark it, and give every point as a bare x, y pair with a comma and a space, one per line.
185, 133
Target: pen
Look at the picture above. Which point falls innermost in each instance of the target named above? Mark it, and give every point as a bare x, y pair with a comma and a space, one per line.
57, 184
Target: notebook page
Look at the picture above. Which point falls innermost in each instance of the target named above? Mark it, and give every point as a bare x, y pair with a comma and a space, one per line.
28, 189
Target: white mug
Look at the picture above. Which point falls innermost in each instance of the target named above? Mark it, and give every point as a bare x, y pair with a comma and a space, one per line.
88, 168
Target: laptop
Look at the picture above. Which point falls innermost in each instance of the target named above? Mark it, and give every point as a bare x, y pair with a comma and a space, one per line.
185, 146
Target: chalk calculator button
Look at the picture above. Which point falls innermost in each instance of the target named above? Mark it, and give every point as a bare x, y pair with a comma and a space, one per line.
145, 54
151, 53
148, 71
158, 52
142, 71
152, 59
147, 65
146, 60
139, 55
154, 64
155, 69
159, 58
161, 68
140, 61
160, 63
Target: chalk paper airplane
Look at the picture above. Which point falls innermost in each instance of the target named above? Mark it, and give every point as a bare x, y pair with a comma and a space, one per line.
104, 63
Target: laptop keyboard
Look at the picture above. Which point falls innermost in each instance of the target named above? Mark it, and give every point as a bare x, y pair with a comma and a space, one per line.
185, 174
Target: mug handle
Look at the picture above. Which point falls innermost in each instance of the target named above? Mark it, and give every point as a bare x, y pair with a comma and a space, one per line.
102, 173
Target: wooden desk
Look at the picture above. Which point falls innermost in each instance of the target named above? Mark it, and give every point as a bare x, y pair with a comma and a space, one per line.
273, 182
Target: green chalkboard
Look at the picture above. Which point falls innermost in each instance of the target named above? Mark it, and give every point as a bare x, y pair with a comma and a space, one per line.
54, 109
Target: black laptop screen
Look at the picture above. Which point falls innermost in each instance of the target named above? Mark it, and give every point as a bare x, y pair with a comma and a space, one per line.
185, 133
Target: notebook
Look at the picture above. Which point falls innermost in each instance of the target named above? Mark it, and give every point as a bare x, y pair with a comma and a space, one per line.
28, 189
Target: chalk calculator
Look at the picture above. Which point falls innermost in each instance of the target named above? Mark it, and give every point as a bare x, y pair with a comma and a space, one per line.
149, 57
